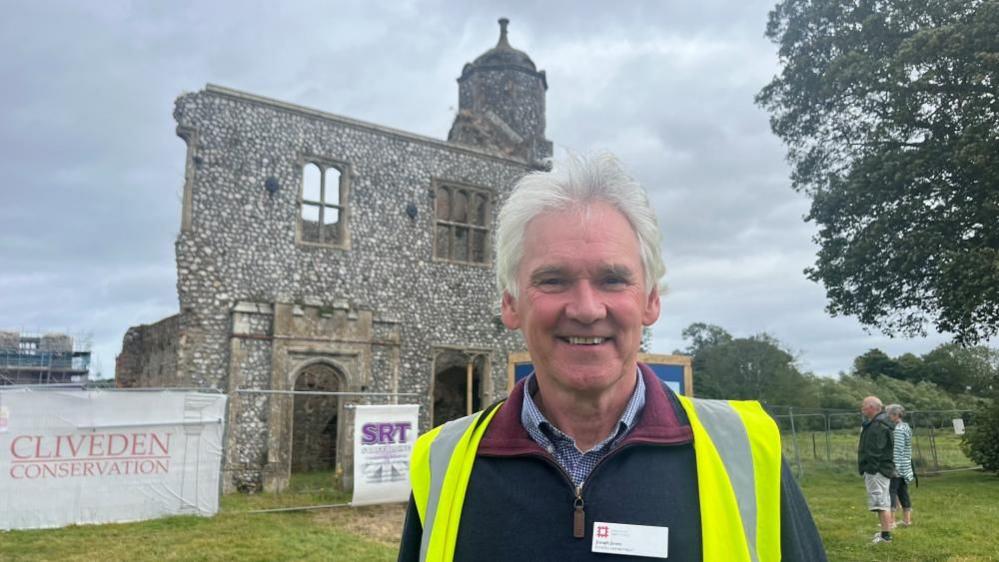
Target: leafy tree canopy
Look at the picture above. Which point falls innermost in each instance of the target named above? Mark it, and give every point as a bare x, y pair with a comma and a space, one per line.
981, 441
703, 336
755, 368
890, 113
953, 368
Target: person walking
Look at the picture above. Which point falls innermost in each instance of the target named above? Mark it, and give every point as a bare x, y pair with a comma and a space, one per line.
875, 460
903, 464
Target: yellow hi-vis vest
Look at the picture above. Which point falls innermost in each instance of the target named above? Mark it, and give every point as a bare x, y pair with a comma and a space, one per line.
738, 452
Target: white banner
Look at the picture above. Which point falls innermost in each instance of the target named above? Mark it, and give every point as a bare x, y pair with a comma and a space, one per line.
383, 441
73, 456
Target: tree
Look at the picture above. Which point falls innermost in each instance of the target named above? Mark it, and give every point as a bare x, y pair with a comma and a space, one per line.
849, 390
756, 367
890, 113
911, 368
876, 363
959, 369
981, 439
703, 336
954, 368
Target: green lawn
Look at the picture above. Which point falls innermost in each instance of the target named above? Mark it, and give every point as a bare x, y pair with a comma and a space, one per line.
234, 534
955, 516
226, 537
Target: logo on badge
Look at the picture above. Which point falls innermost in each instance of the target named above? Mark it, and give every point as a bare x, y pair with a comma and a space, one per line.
602, 531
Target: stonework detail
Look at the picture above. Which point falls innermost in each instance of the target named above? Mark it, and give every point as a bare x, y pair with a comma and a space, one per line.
260, 307
501, 104
149, 355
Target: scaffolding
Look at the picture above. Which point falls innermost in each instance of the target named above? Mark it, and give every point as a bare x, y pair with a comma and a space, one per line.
27, 359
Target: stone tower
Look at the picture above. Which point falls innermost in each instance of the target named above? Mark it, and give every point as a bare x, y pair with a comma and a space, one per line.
320, 253
501, 104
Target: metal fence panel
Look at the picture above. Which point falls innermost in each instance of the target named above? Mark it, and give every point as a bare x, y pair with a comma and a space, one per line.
813, 438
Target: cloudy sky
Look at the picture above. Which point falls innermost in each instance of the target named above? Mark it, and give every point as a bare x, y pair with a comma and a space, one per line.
92, 169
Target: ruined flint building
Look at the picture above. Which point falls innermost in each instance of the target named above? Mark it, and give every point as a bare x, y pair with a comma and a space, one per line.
322, 253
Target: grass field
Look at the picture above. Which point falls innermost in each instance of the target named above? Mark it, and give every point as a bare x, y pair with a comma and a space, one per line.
955, 519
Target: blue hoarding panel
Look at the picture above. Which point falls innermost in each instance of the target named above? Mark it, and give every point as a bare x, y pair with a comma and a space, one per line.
672, 375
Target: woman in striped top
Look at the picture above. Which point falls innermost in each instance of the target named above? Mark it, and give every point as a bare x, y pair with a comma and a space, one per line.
903, 464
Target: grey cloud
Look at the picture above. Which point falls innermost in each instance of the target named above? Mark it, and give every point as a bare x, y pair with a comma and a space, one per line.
93, 169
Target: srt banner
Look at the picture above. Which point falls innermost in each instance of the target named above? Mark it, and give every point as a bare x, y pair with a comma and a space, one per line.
383, 441
74, 456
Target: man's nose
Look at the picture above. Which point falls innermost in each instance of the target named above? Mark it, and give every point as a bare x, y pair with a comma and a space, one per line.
586, 305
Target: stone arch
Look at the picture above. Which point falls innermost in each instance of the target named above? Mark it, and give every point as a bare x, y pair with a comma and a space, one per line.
449, 391
317, 419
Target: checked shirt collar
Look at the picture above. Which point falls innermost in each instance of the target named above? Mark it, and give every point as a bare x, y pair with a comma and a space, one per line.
576, 463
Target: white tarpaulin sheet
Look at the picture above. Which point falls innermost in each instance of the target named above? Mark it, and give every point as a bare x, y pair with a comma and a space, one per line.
383, 441
74, 456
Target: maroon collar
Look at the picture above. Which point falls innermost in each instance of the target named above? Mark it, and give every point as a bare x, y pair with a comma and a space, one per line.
657, 424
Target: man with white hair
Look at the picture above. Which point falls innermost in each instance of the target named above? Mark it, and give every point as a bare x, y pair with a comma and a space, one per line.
592, 455
875, 462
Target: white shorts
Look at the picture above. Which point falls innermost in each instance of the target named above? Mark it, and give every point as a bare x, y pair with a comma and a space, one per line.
878, 498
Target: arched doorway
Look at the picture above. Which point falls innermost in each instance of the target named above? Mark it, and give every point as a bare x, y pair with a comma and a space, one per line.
316, 417
453, 370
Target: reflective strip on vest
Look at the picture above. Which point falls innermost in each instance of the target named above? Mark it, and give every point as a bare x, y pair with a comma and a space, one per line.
737, 446
449, 453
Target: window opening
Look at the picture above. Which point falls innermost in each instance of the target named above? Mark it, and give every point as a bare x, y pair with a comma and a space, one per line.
322, 212
461, 231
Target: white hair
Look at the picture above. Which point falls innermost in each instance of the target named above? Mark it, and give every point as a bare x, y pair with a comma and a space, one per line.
873, 401
576, 181
895, 410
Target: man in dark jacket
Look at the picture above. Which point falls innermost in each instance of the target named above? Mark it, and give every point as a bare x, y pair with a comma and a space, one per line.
874, 461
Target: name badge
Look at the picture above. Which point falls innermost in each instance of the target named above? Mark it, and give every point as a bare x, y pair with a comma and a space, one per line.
631, 540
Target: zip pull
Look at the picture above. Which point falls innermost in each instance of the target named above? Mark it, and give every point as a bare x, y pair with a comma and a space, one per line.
578, 515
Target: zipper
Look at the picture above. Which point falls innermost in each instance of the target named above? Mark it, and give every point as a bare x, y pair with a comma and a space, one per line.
578, 515
578, 504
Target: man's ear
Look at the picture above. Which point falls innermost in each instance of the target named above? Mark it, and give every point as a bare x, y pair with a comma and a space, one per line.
508, 311
651, 312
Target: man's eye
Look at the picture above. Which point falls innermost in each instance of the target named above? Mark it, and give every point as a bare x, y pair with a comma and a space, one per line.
615, 281
553, 282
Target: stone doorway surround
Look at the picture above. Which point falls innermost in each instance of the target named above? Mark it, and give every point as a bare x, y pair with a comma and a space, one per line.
299, 337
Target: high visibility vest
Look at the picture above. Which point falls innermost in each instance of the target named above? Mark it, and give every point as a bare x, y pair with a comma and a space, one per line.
738, 452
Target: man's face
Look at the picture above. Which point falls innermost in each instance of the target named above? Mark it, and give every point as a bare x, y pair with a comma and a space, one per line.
869, 410
583, 300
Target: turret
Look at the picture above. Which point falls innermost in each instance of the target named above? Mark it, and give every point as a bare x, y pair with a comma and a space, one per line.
501, 104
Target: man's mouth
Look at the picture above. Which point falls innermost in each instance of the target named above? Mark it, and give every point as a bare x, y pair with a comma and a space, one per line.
585, 341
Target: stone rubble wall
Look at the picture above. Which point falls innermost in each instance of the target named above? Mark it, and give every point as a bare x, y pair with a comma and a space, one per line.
242, 246
148, 356
515, 97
